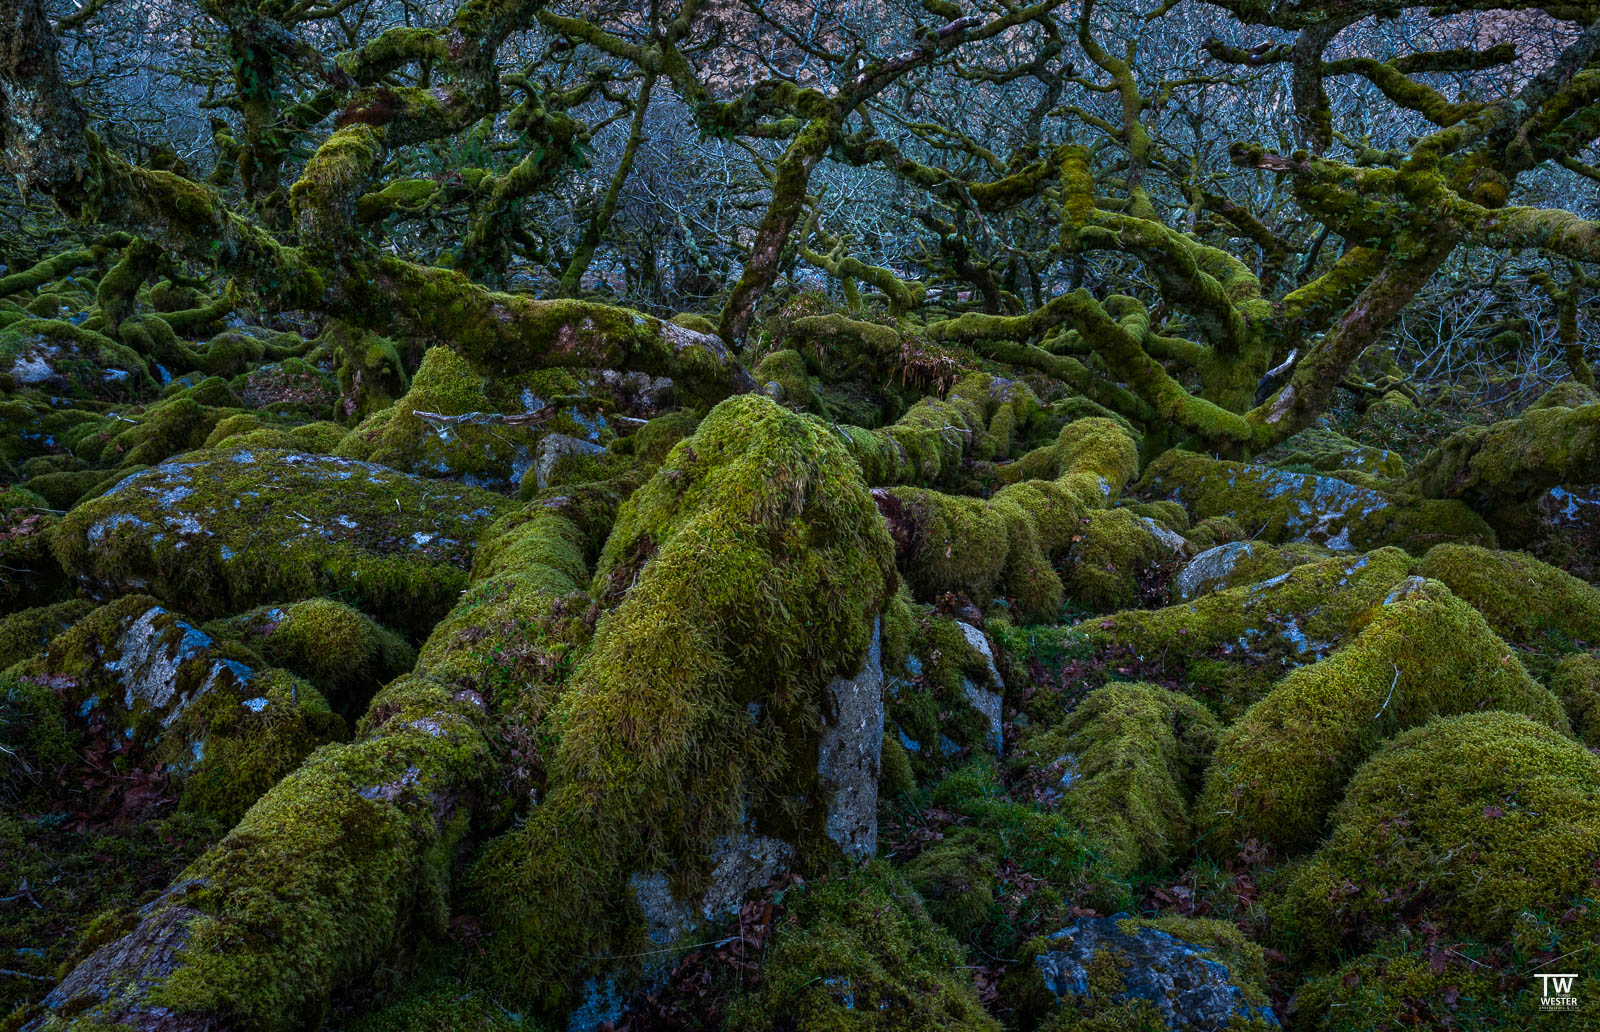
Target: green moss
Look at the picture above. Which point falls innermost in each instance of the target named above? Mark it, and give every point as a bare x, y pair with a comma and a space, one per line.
445, 1009
861, 954
1005, 871
758, 523
233, 750
895, 778
219, 531
1126, 764
62, 490
35, 741
170, 426
783, 376
26, 633
1470, 819
1329, 451
980, 547
1576, 682
246, 430
1282, 766
931, 694
33, 577
1526, 601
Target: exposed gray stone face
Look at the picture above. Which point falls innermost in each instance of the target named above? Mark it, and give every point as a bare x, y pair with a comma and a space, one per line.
555, 447
851, 752
1208, 569
1188, 985
745, 862
989, 702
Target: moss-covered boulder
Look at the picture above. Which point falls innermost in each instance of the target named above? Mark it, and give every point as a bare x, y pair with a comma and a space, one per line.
1329, 451
455, 423
943, 695
27, 632
1527, 602
219, 531
1468, 820
70, 360
1174, 974
981, 547
1126, 764
751, 570
860, 953
1280, 506
1282, 766
1230, 646
165, 692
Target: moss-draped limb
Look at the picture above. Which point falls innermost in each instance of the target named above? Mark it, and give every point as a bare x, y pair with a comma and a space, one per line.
347, 860
507, 333
50, 269
790, 178
902, 295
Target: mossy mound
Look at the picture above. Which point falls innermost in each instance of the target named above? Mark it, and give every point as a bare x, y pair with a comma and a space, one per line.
33, 577
217, 532
1576, 682
1126, 764
445, 1009
336, 647
980, 547
248, 430
751, 569
1282, 766
1280, 506
861, 953
1468, 820
970, 877
72, 361
1527, 602
1118, 558
1328, 451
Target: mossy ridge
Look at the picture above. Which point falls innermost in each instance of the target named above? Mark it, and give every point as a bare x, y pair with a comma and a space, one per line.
1126, 764
861, 954
1003, 544
1326, 450
1230, 646
1281, 767
219, 531
1477, 821
72, 360
1527, 602
759, 521
1281, 506
341, 864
